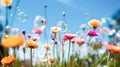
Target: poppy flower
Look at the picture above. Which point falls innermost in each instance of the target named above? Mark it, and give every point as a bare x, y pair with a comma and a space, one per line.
55, 30
92, 33
69, 36
94, 23
8, 60
6, 2
31, 44
114, 49
52, 60
47, 47
80, 40
13, 41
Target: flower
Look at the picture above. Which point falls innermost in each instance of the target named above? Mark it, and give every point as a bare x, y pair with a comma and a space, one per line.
47, 47
73, 40
8, 60
14, 29
38, 30
54, 42
95, 46
13, 41
31, 44
55, 30
92, 33
80, 40
29, 35
69, 36
52, 60
104, 30
7, 2
112, 48
44, 60
34, 38
94, 23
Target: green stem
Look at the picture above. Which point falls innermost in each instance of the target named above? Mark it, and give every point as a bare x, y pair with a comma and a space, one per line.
108, 57
14, 52
114, 60
69, 50
6, 20
47, 58
62, 55
79, 50
30, 57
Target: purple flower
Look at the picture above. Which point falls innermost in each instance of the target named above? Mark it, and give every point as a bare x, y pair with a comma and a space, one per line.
92, 33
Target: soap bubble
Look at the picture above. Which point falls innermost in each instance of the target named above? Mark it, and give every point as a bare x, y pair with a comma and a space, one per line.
39, 20
22, 17
63, 26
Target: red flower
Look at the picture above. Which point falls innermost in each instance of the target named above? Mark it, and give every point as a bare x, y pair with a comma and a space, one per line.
69, 36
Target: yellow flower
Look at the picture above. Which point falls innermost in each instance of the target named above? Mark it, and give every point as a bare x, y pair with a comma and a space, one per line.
94, 23
8, 60
13, 41
6, 2
47, 47
55, 30
31, 44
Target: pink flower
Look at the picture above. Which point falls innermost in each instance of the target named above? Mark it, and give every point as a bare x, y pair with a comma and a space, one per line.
69, 36
34, 38
92, 33
29, 35
14, 29
38, 30
80, 40
104, 30
55, 42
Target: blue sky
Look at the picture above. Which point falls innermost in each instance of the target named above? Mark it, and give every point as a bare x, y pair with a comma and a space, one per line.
75, 11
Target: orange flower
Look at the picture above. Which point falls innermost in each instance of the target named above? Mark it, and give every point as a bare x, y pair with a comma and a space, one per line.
8, 60
7, 2
95, 46
55, 30
52, 60
31, 44
94, 23
113, 48
13, 41
47, 47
